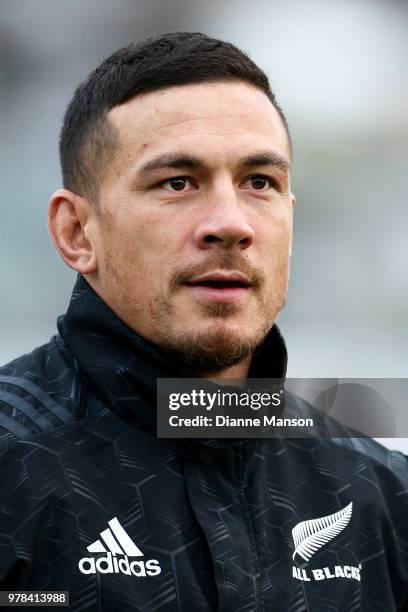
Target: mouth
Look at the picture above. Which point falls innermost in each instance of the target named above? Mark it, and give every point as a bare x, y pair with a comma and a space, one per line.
220, 287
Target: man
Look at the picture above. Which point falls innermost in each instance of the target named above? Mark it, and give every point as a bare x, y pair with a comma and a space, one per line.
176, 212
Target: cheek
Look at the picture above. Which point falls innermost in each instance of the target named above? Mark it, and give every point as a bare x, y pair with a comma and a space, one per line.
128, 237
142, 251
277, 242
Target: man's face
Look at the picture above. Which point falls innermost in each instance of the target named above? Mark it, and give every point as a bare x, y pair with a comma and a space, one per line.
193, 238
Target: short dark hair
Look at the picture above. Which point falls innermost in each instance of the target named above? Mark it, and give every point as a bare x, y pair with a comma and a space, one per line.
88, 140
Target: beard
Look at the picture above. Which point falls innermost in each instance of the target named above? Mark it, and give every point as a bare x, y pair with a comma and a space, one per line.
213, 350
218, 342
219, 346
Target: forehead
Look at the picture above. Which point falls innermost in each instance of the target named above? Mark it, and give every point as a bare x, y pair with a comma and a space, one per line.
218, 117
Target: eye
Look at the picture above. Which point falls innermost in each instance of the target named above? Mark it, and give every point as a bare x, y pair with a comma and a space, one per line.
178, 183
259, 182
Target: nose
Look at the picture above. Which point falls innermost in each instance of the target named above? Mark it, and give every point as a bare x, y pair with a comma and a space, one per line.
224, 223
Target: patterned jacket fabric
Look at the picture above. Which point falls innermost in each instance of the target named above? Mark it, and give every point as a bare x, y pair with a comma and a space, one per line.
93, 503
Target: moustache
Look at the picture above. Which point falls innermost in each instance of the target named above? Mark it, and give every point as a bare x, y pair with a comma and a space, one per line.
227, 262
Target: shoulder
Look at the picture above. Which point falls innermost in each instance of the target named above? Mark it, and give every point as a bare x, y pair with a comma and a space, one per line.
38, 391
349, 445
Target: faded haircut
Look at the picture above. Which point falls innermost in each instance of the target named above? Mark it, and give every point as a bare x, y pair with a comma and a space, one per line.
88, 140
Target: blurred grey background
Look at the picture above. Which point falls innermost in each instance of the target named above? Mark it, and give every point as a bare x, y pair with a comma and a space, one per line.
339, 70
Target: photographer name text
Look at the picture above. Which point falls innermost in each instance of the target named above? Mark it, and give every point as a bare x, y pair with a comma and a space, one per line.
226, 421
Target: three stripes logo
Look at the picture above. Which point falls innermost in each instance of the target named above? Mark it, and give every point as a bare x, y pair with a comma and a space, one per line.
117, 550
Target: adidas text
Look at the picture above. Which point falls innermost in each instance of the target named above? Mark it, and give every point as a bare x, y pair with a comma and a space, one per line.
110, 564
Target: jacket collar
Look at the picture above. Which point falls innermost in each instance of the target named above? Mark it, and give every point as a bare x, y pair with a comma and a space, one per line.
123, 367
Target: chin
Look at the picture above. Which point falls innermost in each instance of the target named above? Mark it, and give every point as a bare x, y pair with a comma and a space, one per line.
215, 347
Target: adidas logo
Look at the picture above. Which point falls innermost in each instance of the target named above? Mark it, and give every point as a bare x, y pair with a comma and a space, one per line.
115, 541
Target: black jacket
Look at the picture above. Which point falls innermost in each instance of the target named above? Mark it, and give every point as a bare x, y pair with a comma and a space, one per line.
92, 502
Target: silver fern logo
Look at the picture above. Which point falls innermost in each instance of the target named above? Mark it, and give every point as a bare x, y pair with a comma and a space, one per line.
310, 536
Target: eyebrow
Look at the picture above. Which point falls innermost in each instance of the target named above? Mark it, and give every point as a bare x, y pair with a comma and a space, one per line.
267, 158
180, 160
172, 160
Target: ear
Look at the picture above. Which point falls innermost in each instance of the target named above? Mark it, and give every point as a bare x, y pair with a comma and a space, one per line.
70, 219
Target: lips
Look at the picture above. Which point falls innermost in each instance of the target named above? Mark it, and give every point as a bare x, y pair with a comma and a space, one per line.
220, 287
219, 280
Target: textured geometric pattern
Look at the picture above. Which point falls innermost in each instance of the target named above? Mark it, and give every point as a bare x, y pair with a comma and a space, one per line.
78, 448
